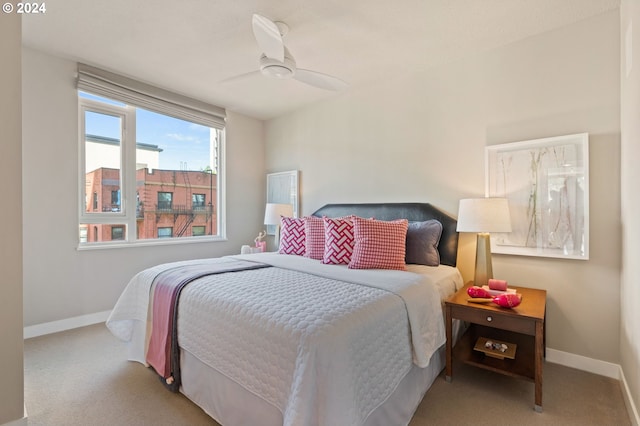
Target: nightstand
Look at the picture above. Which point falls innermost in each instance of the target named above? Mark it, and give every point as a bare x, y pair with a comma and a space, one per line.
523, 326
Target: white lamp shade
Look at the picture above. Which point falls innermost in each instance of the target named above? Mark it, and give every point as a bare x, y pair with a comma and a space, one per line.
484, 215
273, 212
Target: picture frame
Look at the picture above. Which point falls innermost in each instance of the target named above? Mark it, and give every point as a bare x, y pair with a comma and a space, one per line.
546, 182
282, 188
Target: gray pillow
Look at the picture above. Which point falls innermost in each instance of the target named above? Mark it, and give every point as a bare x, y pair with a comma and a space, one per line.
422, 243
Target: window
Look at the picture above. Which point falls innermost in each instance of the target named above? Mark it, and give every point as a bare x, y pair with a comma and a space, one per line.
117, 232
83, 233
197, 201
115, 201
151, 162
165, 232
165, 200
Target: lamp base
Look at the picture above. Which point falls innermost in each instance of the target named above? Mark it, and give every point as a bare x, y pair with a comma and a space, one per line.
276, 238
484, 270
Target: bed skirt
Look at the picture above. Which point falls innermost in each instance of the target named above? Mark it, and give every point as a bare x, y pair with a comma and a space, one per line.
225, 400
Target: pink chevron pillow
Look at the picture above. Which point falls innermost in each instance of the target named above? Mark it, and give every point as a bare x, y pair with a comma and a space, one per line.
314, 235
338, 240
292, 236
379, 244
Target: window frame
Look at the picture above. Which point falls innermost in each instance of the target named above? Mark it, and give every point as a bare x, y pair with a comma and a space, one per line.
127, 214
127, 130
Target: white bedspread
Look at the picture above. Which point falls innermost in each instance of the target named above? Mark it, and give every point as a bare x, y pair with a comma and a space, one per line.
323, 344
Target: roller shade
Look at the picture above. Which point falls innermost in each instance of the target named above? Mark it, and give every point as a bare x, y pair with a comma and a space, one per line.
132, 92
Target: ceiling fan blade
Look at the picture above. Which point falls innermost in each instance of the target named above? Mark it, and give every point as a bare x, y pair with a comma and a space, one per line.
268, 36
320, 80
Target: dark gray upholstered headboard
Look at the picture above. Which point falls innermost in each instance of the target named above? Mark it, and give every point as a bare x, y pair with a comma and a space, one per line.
414, 212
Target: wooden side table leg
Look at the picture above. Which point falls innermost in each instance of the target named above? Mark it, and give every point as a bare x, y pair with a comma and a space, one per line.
539, 349
449, 345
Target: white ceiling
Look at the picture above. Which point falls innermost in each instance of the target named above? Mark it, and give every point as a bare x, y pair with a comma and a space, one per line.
191, 46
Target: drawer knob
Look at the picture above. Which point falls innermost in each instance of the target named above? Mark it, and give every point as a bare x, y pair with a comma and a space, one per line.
489, 319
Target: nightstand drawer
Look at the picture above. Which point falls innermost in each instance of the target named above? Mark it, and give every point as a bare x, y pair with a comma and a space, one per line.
495, 319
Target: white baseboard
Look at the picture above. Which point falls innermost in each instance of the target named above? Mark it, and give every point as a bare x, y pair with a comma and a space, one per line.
632, 410
595, 366
602, 368
65, 324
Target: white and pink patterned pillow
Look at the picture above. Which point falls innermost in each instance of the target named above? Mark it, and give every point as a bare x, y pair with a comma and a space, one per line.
338, 240
292, 236
314, 235
379, 244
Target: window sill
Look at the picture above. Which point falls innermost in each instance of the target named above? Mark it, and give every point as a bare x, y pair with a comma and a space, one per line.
146, 243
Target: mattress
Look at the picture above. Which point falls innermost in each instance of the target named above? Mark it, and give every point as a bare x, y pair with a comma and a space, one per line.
301, 342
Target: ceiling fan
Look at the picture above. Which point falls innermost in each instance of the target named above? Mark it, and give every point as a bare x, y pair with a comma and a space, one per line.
277, 62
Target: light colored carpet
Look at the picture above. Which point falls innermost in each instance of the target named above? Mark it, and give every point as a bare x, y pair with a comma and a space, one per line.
81, 377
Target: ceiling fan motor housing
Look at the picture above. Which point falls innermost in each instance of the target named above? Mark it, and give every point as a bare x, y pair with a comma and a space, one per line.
274, 68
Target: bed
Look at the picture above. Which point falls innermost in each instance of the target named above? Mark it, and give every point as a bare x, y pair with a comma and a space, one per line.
286, 339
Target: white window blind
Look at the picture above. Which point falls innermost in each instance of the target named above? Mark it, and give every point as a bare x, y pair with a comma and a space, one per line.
132, 92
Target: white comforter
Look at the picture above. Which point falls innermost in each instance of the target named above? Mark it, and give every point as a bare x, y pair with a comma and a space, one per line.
324, 344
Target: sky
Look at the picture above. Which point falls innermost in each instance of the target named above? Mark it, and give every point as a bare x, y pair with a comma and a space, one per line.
182, 142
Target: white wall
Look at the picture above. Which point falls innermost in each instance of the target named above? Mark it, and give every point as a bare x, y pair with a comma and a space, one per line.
630, 176
61, 282
421, 137
11, 348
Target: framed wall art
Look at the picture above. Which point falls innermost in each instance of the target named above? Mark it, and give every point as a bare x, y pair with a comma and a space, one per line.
547, 184
282, 188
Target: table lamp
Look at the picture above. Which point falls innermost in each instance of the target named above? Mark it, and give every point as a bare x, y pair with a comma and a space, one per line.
272, 214
483, 215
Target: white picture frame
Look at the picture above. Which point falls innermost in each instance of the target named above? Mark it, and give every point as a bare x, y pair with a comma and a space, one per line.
282, 188
546, 182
